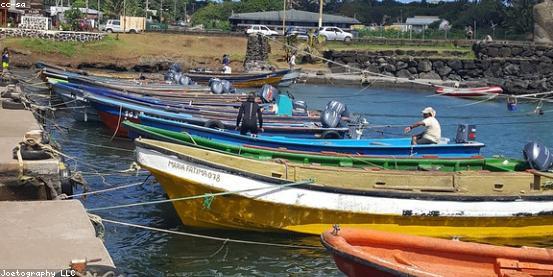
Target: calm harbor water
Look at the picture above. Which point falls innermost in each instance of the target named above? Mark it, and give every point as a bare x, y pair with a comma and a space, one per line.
149, 253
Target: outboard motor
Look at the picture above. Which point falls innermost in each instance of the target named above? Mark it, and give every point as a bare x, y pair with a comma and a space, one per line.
465, 133
169, 76
175, 68
216, 86
227, 86
336, 106
300, 105
267, 93
184, 80
538, 156
330, 119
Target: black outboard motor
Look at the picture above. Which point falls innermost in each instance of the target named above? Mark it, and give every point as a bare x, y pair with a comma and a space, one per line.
330, 119
465, 133
267, 93
538, 156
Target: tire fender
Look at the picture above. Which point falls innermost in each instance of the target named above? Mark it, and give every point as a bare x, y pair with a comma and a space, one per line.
214, 124
331, 135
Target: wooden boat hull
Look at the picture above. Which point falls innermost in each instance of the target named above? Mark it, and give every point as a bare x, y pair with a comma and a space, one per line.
375, 253
482, 93
262, 203
242, 80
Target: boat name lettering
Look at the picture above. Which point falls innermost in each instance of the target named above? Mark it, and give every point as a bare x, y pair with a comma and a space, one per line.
196, 171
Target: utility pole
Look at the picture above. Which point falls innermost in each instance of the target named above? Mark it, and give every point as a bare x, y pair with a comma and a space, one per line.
98, 11
175, 10
147, 8
124, 16
284, 18
161, 12
321, 13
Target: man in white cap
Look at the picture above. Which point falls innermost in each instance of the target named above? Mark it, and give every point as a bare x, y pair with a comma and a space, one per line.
433, 132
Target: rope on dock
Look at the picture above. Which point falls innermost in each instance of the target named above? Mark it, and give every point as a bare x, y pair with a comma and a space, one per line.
108, 189
213, 237
206, 195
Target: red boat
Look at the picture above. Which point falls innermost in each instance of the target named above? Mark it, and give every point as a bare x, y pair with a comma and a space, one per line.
375, 253
480, 93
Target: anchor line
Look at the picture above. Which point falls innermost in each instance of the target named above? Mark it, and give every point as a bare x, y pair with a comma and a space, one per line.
213, 237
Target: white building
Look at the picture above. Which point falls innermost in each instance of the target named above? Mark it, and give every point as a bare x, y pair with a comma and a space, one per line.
420, 23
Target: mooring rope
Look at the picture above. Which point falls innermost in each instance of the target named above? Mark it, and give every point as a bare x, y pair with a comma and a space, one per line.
110, 189
199, 196
213, 237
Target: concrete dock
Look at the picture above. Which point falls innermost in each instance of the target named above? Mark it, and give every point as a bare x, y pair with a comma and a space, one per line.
40, 235
15, 125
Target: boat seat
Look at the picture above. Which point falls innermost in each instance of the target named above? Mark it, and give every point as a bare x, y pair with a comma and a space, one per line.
508, 267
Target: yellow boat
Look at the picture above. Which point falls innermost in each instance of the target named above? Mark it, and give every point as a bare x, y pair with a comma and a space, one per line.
259, 195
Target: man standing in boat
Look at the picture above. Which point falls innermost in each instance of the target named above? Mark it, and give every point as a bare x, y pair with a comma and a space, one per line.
249, 115
433, 132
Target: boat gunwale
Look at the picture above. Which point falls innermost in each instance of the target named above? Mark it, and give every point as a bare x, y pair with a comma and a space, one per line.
427, 196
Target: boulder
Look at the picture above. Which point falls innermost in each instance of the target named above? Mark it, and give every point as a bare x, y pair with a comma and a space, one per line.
388, 67
455, 64
401, 65
505, 51
454, 77
511, 69
527, 68
424, 66
413, 70
469, 64
404, 73
430, 76
492, 52
543, 22
444, 70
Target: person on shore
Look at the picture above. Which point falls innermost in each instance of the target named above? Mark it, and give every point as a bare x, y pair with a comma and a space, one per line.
226, 64
292, 61
5, 59
248, 117
432, 133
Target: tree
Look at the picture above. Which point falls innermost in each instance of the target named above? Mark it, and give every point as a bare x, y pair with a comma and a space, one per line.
73, 17
519, 16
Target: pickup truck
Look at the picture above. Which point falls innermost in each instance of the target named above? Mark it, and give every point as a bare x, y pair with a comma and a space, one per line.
133, 25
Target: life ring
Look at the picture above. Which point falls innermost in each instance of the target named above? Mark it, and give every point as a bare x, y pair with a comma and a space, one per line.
9, 104
331, 135
31, 153
214, 124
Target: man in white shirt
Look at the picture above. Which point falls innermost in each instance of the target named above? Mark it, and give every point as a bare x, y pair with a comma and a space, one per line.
432, 133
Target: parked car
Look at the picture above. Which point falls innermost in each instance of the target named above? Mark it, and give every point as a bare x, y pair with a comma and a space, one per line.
298, 32
260, 29
335, 33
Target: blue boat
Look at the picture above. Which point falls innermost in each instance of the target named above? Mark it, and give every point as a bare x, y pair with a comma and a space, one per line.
112, 112
373, 147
